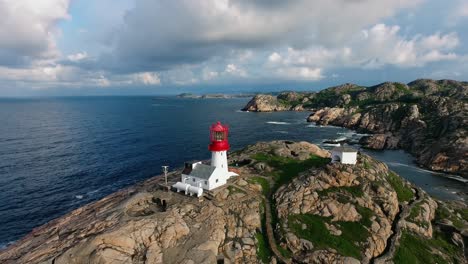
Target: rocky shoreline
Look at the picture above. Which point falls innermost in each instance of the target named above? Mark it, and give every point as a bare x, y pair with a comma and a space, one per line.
427, 118
289, 204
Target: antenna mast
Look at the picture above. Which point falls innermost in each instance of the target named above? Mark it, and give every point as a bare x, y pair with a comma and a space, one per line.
165, 170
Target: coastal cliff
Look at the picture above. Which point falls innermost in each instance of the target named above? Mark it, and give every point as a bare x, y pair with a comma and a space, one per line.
289, 204
427, 118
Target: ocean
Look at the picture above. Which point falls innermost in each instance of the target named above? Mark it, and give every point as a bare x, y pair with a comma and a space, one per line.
57, 154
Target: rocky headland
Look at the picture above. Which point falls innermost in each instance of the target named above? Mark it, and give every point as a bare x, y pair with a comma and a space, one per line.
427, 118
289, 204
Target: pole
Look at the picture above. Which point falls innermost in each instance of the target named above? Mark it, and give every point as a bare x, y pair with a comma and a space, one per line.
165, 169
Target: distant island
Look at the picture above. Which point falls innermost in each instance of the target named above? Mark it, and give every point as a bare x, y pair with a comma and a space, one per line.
213, 96
427, 118
289, 205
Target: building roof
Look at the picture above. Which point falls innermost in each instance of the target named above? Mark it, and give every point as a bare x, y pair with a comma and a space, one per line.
202, 171
344, 149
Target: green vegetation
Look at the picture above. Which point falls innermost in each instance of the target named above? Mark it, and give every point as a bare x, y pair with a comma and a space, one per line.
347, 244
263, 250
263, 182
404, 193
402, 88
285, 169
414, 249
443, 212
366, 215
366, 165
355, 191
288, 103
286, 253
288, 168
233, 190
415, 212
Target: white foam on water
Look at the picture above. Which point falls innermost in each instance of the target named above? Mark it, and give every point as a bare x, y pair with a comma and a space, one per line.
277, 123
457, 178
312, 125
331, 145
5, 245
79, 197
282, 132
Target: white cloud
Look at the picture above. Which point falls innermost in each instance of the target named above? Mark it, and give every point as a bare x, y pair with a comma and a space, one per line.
227, 25
78, 56
208, 74
375, 47
28, 30
462, 10
234, 70
274, 57
301, 73
148, 78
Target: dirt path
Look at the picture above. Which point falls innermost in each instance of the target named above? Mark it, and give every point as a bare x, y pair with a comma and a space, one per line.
268, 220
394, 240
271, 235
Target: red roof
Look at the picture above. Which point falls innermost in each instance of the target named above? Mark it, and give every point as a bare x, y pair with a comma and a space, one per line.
218, 127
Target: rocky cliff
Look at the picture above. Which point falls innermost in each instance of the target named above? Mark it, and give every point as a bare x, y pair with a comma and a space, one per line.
289, 204
427, 118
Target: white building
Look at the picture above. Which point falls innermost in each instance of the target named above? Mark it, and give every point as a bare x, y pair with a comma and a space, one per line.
344, 155
197, 176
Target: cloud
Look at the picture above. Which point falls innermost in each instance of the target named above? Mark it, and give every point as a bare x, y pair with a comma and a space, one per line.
148, 78
462, 10
376, 47
232, 69
301, 73
151, 39
186, 42
28, 30
77, 56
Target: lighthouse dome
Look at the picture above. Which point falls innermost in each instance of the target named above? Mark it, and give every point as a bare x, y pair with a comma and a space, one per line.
218, 137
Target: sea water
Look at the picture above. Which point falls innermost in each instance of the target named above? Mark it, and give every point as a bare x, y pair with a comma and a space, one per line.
57, 154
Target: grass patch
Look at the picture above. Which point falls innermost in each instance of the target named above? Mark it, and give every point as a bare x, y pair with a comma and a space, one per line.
404, 192
263, 182
346, 244
366, 165
366, 215
414, 249
355, 191
288, 168
286, 253
233, 190
443, 212
263, 250
402, 88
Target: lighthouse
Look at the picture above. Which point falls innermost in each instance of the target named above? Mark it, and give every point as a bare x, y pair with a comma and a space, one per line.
198, 176
219, 146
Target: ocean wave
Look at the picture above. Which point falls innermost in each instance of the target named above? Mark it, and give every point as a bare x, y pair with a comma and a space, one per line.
456, 177
331, 145
312, 125
5, 245
347, 134
277, 123
282, 132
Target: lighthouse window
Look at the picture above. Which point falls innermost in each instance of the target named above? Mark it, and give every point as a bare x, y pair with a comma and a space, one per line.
193, 179
216, 180
219, 136
206, 182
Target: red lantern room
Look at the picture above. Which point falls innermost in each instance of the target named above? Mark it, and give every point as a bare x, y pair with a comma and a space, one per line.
218, 137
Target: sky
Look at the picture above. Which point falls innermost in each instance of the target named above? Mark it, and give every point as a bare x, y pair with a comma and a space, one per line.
132, 47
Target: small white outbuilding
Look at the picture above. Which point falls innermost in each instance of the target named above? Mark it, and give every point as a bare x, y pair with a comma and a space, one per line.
344, 155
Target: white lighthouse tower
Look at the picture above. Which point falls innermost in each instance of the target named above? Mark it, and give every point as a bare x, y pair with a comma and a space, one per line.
197, 176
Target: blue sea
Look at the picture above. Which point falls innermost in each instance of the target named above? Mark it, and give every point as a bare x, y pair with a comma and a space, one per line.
57, 154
